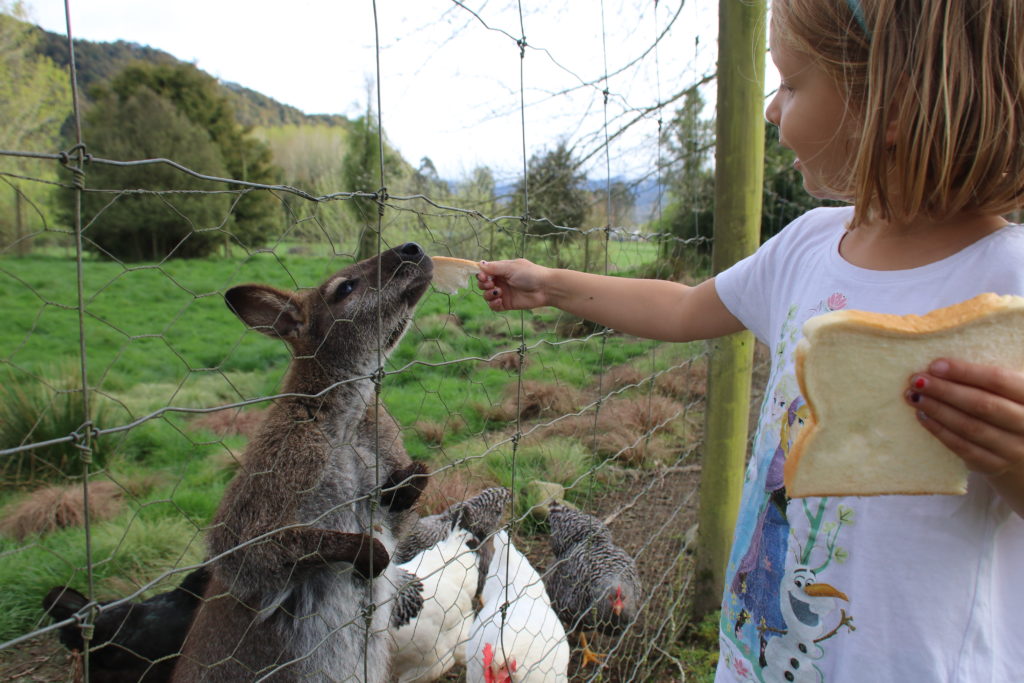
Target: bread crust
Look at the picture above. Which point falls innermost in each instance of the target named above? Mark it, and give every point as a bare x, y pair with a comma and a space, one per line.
445, 261
892, 333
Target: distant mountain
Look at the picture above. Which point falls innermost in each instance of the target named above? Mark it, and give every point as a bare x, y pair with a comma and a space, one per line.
96, 63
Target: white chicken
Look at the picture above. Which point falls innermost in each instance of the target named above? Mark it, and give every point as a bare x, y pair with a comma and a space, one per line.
425, 646
517, 637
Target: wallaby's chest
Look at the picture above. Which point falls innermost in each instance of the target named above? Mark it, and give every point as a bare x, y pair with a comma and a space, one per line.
346, 494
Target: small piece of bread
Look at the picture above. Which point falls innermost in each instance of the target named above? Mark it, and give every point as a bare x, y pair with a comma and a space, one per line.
450, 273
853, 368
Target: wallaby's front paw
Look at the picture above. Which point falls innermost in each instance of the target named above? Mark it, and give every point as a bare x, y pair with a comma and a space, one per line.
367, 555
404, 487
372, 558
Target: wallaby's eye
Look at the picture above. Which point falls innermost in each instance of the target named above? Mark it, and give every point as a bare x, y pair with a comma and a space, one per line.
344, 289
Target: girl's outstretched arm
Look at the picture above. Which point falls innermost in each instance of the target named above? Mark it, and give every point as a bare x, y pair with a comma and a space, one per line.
977, 411
656, 309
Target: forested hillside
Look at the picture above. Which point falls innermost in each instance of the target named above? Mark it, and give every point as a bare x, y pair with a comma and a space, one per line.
97, 63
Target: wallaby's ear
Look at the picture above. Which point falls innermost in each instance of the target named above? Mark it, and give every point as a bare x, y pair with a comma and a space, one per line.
265, 309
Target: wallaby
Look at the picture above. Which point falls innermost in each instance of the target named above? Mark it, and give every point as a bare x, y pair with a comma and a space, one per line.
311, 517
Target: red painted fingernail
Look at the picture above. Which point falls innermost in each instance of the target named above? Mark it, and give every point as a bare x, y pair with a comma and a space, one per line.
915, 397
919, 383
495, 292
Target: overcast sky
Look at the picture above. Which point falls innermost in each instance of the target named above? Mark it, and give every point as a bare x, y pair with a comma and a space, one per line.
450, 72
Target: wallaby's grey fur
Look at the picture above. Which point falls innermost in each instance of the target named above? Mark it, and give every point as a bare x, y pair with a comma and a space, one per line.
292, 556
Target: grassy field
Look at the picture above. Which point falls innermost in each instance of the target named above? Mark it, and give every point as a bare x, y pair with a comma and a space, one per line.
160, 335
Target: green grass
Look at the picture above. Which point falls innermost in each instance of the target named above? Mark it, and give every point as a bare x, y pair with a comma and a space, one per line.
697, 650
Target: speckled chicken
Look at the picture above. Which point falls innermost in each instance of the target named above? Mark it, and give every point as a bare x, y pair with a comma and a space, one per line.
480, 515
593, 583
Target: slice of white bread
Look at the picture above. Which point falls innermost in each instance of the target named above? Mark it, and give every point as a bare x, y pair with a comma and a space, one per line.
853, 368
450, 273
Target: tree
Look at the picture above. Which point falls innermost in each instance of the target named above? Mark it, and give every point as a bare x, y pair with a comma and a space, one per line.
310, 158
558, 198
427, 182
477, 191
197, 96
690, 181
612, 205
34, 102
133, 225
361, 172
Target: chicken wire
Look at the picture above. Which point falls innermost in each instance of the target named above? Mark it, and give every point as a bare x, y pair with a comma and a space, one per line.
525, 398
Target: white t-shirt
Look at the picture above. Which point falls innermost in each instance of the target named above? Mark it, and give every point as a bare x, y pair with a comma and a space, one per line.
907, 589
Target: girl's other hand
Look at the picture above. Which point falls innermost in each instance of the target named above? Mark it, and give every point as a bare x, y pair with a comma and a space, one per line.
513, 285
977, 411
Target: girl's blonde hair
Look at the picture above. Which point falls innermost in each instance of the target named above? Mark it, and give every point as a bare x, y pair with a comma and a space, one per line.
938, 86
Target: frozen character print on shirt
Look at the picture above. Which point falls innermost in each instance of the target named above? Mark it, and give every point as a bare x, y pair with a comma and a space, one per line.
777, 611
805, 604
756, 583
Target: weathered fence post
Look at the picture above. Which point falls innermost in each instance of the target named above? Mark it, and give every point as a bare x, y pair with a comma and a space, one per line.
739, 172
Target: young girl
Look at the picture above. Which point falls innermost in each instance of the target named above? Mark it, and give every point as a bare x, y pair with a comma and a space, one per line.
913, 112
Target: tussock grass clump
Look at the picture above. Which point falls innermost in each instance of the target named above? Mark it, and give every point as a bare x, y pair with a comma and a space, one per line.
537, 399
686, 383
231, 422
431, 432
435, 351
560, 460
509, 361
58, 507
35, 412
573, 327
629, 429
503, 327
635, 430
622, 376
452, 485
438, 326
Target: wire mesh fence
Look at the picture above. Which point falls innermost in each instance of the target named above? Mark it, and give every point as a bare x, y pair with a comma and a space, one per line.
343, 474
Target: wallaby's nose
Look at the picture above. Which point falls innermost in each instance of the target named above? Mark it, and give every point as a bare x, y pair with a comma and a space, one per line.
410, 251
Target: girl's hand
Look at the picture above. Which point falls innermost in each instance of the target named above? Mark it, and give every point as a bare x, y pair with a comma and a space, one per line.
513, 285
977, 411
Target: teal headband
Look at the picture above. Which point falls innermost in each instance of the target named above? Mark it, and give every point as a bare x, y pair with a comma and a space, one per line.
858, 14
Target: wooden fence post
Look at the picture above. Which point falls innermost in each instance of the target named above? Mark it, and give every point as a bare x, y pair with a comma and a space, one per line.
739, 173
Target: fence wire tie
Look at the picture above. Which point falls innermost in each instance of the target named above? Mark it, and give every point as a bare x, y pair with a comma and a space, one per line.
381, 196
606, 93
378, 378
82, 440
78, 153
522, 47
87, 625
